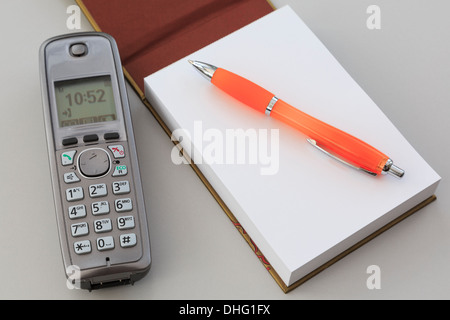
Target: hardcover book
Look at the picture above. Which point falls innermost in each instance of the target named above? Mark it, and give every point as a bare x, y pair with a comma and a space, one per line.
298, 209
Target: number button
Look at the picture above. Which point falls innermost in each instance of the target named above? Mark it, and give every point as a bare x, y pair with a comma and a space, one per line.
82, 247
105, 243
97, 190
123, 205
79, 229
101, 207
124, 223
78, 211
103, 225
121, 187
127, 240
74, 194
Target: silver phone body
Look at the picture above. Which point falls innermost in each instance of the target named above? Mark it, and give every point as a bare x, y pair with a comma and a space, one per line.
97, 189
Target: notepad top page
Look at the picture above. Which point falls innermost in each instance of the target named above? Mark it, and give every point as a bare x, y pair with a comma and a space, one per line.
299, 206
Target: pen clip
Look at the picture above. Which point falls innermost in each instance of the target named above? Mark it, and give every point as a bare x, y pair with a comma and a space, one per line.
314, 144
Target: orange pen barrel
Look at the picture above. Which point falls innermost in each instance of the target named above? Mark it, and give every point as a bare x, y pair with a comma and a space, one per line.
241, 89
333, 140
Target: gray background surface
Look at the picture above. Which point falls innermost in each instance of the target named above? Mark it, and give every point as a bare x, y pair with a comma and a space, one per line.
197, 253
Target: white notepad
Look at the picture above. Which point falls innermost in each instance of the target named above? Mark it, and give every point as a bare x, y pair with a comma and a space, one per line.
306, 208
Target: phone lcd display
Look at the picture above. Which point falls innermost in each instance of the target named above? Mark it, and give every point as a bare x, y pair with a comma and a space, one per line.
84, 101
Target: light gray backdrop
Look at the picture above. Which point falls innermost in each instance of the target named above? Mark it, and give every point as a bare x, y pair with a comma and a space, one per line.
197, 253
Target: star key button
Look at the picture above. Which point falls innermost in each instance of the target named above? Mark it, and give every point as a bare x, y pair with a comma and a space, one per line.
82, 247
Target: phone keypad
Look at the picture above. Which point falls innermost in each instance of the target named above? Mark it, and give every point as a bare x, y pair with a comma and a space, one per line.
98, 190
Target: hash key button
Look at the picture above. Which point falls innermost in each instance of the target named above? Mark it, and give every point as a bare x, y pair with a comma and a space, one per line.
127, 240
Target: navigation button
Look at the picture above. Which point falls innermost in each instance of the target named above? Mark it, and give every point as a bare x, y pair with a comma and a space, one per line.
94, 162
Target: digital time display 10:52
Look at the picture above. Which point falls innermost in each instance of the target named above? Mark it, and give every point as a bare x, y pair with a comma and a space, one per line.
85, 100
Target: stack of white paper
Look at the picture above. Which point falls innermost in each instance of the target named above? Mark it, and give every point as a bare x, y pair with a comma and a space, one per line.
299, 206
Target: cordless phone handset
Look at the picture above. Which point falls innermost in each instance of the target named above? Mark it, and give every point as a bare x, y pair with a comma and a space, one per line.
97, 189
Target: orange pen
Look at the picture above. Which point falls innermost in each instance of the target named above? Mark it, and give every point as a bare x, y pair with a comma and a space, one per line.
332, 141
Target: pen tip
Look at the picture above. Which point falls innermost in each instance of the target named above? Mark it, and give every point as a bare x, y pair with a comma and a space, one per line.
205, 69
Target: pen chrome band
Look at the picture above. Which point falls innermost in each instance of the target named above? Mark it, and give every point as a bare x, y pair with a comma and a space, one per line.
270, 105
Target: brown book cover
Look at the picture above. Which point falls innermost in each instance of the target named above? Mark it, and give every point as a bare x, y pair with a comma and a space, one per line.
152, 34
